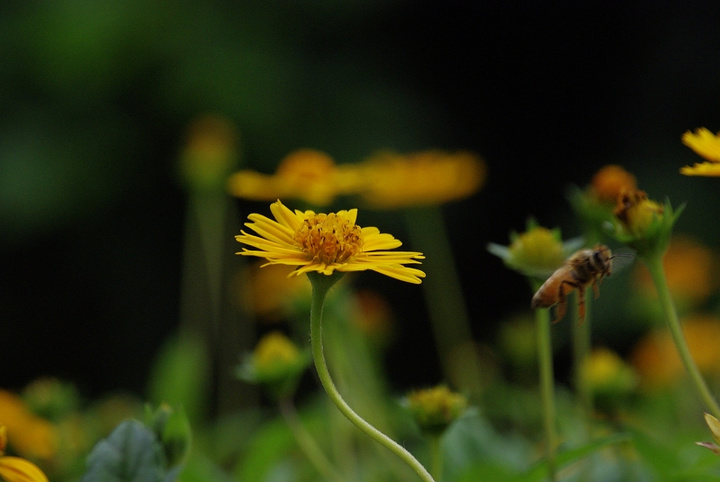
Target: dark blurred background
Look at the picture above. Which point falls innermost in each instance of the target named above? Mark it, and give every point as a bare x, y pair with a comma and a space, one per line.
95, 98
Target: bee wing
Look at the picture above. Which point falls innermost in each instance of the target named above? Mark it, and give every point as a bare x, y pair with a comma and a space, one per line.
622, 258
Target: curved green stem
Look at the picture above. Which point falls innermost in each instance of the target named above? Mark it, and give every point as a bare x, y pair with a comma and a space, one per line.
307, 443
547, 387
654, 265
321, 284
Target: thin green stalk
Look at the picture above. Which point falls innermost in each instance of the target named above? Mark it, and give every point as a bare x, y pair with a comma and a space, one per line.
547, 388
581, 334
445, 301
321, 284
437, 456
307, 443
654, 265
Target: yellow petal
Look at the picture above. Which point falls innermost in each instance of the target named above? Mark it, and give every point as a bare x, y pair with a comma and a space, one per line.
702, 169
15, 469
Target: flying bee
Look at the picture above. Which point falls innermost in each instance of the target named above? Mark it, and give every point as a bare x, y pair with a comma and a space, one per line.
585, 267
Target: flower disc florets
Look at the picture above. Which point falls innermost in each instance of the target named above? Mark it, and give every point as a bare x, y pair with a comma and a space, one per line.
329, 238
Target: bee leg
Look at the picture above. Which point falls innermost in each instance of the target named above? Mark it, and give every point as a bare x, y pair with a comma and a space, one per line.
562, 301
596, 288
581, 304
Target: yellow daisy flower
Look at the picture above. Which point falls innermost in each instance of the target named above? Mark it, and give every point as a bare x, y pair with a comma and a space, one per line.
326, 243
707, 145
16, 469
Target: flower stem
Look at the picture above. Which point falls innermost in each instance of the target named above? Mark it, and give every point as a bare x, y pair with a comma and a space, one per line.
321, 284
654, 265
547, 389
437, 456
307, 443
581, 334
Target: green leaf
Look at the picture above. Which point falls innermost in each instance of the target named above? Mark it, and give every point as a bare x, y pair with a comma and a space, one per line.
568, 457
130, 453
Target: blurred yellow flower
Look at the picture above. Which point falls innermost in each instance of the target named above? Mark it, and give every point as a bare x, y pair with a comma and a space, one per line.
16, 469
304, 174
391, 180
656, 360
275, 355
268, 293
690, 268
611, 180
707, 145
606, 373
434, 409
210, 153
33, 436
326, 243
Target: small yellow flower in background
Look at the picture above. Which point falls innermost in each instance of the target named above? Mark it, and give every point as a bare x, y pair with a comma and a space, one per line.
434, 409
537, 252
391, 180
707, 145
714, 425
305, 174
274, 356
607, 374
32, 436
326, 243
210, 154
16, 469
609, 182
276, 363
656, 360
691, 271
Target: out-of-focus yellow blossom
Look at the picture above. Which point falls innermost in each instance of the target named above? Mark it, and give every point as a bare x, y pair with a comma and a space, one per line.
32, 436
276, 364
16, 469
268, 292
434, 409
305, 174
656, 360
274, 354
607, 374
326, 243
210, 153
391, 180
609, 182
690, 268
707, 145
537, 252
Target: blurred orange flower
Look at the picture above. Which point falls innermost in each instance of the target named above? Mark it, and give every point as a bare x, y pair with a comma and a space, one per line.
304, 174
690, 268
16, 469
210, 153
656, 359
611, 180
392, 180
32, 436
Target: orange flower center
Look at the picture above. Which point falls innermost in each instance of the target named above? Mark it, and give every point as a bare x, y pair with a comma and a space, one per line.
329, 238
